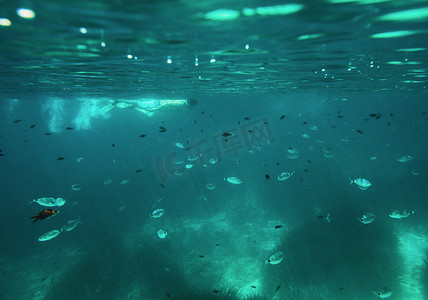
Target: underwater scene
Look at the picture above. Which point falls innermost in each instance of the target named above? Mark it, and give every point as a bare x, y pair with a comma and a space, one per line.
214, 150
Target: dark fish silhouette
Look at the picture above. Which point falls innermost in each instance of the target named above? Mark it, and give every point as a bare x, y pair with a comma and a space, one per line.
44, 214
278, 226
359, 131
162, 129
226, 134
282, 117
60, 158
267, 176
278, 287
142, 135
32, 126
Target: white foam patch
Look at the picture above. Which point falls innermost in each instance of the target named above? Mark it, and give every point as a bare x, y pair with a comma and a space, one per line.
91, 109
412, 247
55, 109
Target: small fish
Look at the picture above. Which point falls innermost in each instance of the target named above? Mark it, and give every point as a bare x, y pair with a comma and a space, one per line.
50, 201
378, 116
142, 135
162, 233
405, 158
267, 176
113, 145
71, 224
125, 181
226, 134
138, 171
414, 172
282, 117
253, 286
216, 291
247, 118
69, 128
400, 214
233, 180
76, 187
48, 133
362, 183
385, 292
210, 186
157, 213
373, 115
278, 226
201, 256
275, 258
49, 235
359, 131
162, 129
17, 121
285, 175
328, 218
60, 158
277, 288
33, 125
367, 218
45, 214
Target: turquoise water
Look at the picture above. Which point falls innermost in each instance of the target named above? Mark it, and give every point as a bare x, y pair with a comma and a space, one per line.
126, 107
